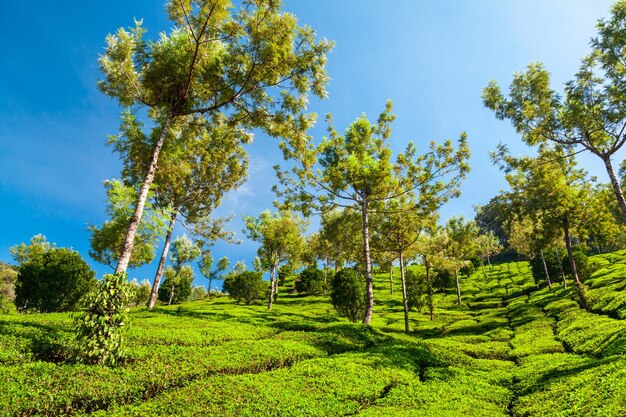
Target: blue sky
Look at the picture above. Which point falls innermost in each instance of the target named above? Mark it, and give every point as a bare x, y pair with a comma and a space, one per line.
432, 58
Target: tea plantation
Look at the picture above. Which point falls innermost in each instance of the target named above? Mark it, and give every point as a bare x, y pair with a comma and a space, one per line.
510, 349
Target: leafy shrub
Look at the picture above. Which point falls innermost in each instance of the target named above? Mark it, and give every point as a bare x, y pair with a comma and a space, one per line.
55, 280
176, 287
443, 279
310, 281
140, 293
198, 293
246, 286
99, 329
348, 294
415, 289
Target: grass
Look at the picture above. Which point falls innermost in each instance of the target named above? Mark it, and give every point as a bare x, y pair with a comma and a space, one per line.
510, 349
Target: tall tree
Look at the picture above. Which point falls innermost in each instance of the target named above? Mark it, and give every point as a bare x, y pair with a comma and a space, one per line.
253, 65
397, 229
198, 164
206, 267
550, 189
461, 246
280, 238
355, 170
486, 245
591, 114
431, 247
180, 273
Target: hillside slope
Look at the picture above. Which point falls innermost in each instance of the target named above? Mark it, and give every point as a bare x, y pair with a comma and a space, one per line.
510, 349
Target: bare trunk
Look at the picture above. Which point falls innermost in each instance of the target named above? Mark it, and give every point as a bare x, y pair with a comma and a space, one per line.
391, 278
159, 272
489, 262
171, 296
458, 285
617, 188
369, 282
405, 301
127, 250
271, 295
580, 287
482, 265
545, 270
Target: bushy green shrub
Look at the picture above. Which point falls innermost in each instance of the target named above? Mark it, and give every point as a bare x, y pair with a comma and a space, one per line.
443, 279
348, 294
246, 286
310, 281
198, 293
176, 288
415, 289
99, 329
54, 280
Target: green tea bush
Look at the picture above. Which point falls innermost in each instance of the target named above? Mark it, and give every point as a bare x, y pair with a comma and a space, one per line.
310, 281
99, 329
348, 294
55, 280
246, 286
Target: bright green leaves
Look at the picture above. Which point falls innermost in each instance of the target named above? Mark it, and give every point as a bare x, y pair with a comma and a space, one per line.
100, 328
278, 234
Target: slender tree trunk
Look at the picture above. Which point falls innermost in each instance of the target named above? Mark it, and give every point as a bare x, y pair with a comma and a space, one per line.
617, 188
171, 296
369, 282
391, 278
580, 287
159, 272
276, 277
271, 297
556, 251
458, 285
482, 265
127, 250
545, 269
489, 262
405, 301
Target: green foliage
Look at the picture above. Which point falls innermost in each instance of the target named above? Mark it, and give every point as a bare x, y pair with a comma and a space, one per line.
176, 287
416, 288
246, 286
198, 293
107, 240
511, 349
100, 328
553, 263
582, 264
54, 280
8, 276
310, 281
139, 293
347, 294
